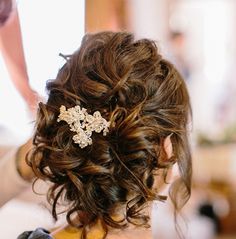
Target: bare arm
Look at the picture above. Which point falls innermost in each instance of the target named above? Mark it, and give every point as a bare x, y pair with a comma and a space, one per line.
12, 50
16, 175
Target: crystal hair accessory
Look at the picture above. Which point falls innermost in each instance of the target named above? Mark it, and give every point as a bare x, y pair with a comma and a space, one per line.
83, 124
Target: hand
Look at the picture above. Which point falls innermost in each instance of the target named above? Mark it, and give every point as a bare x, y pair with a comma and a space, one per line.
24, 170
32, 99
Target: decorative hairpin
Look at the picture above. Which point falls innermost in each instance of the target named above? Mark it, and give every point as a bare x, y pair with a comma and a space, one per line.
83, 124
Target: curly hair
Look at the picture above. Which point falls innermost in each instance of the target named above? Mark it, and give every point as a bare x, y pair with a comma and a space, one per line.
145, 99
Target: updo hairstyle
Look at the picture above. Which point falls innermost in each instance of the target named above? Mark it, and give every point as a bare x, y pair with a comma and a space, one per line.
145, 99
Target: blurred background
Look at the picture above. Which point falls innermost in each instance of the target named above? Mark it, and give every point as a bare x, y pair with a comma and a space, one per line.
198, 36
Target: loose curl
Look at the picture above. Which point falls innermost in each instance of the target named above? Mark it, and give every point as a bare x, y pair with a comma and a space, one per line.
146, 99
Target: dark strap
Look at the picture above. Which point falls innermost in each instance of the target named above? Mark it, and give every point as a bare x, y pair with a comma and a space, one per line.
39, 233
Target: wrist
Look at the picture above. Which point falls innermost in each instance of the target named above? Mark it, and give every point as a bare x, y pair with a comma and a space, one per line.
28, 94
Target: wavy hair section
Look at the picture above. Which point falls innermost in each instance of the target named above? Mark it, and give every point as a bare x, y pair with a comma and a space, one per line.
146, 99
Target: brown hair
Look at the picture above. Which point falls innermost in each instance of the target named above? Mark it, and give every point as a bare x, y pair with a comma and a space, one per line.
145, 99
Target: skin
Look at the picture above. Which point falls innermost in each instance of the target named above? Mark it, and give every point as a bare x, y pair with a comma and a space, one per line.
24, 170
168, 146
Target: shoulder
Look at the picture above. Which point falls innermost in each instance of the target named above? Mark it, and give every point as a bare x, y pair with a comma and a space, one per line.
66, 232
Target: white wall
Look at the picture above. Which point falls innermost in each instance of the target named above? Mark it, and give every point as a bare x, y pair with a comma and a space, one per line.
149, 19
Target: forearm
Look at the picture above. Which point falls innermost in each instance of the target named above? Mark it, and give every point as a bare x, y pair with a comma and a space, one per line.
11, 184
12, 50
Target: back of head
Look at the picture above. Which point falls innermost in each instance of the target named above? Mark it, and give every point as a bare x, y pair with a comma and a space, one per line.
145, 99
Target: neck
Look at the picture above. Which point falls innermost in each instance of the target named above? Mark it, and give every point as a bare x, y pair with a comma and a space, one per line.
97, 232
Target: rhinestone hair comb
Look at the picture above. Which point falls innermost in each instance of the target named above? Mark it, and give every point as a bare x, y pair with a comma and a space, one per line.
83, 124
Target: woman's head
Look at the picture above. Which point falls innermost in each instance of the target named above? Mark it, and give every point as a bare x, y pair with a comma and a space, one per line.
145, 99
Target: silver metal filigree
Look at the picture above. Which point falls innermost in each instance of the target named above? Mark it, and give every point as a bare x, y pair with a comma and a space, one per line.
83, 124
